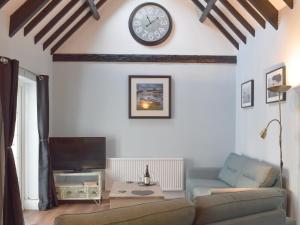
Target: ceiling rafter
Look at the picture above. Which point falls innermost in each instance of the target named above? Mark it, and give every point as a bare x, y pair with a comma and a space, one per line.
267, 10
65, 25
259, 19
217, 24
210, 4
54, 21
94, 10
229, 23
3, 2
239, 17
290, 3
24, 14
75, 28
38, 18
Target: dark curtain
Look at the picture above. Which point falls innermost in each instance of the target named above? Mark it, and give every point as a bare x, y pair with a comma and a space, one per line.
47, 192
12, 207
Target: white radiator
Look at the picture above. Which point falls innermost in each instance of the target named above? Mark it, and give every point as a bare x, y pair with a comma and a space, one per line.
168, 172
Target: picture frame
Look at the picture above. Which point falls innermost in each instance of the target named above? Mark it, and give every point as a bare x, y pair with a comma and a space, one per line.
247, 94
274, 78
149, 97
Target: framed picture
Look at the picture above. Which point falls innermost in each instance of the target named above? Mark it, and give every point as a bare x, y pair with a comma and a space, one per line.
149, 97
275, 78
247, 94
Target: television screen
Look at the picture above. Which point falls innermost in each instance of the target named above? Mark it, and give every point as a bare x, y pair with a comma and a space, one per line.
78, 153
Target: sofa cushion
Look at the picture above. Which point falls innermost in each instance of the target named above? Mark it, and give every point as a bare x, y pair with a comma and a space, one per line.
232, 169
202, 187
175, 212
256, 174
215, 208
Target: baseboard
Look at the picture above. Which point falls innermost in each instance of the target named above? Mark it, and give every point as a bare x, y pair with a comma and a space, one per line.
31, 204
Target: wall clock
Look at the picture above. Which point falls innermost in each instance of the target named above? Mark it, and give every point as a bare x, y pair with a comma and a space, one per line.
150, 24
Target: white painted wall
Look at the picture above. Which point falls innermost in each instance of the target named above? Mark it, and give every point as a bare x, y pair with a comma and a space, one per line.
111, 33
91, 99
268, 49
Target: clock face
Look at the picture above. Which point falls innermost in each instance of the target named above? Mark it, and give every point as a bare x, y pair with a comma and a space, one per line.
150, 24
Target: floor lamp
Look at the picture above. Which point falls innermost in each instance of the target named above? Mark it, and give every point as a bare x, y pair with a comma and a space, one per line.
280, 90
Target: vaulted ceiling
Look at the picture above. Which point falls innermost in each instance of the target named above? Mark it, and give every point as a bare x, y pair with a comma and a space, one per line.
52, 22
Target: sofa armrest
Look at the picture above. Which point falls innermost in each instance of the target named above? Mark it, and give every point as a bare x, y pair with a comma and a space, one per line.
203, 173
228, 206
215, 191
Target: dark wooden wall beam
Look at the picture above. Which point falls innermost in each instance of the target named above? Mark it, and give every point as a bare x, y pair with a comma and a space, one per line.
290, 3
36, 20
75, 28
239, 17
208, 8
218, 25
94, 10
259, 19
65, 25
54, 21
229, 23
23, 14
144, 58
3, 2
269, 12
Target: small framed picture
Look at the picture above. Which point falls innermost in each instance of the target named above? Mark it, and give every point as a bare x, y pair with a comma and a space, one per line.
275, 78
149, 97
247, 94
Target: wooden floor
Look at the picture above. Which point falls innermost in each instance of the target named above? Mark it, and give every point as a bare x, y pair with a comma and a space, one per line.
47, 217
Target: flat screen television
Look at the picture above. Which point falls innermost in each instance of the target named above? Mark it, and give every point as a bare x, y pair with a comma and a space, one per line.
78, 153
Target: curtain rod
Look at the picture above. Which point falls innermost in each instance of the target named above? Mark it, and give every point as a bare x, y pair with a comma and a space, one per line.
3, 60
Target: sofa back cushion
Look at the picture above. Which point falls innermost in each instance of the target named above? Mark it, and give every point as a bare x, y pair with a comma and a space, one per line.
256, 174
232, 169
215, 208
175, 212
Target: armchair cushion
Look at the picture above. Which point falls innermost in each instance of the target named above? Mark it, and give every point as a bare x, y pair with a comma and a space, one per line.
232, 169
256, 174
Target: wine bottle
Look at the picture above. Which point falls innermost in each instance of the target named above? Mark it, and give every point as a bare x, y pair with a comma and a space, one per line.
147, 176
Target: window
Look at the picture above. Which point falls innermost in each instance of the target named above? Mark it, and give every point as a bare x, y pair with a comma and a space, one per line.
26, 140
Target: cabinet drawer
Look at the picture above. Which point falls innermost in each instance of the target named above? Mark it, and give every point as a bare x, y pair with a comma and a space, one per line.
74, 192
94, 192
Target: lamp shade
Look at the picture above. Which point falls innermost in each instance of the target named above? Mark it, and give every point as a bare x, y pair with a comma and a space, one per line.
279, 88
263, 133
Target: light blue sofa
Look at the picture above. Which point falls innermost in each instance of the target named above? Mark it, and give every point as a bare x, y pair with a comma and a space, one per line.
239, 173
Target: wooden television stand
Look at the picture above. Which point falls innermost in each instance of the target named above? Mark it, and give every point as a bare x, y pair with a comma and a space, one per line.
86, 185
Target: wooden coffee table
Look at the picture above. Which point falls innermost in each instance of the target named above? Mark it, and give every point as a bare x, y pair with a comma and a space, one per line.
121, 194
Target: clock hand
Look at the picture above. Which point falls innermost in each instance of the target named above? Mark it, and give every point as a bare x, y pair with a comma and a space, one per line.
148, 19
157, 18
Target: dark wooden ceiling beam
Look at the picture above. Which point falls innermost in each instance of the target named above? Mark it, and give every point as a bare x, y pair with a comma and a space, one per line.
3, 2
75, 28
93, 9
238, 17
267, 10
208, 8
217, 24
229, 23
290, 3
145, 58
65, 25
36, 20
24, 14
259, 19
54, 21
